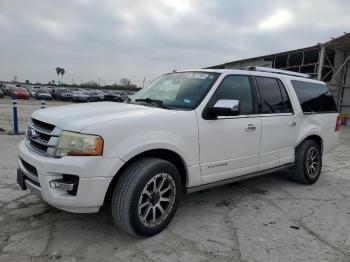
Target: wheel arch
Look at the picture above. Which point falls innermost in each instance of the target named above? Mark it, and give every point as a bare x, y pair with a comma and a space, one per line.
161, 153
315, 137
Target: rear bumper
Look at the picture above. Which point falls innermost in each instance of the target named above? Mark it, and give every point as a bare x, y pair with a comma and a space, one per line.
95, 175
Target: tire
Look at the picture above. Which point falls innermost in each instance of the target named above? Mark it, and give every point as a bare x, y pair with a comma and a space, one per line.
135, 202
308, 163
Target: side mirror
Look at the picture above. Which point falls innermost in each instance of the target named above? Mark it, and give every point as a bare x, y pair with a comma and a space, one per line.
225, 107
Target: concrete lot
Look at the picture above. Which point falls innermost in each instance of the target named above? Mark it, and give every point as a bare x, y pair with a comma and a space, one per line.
264, 219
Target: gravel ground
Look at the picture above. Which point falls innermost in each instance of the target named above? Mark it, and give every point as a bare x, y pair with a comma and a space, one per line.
268, 218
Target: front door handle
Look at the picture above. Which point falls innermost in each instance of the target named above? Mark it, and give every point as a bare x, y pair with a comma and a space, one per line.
251, 127
292, 123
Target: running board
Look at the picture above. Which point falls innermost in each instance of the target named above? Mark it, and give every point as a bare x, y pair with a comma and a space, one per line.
235, 179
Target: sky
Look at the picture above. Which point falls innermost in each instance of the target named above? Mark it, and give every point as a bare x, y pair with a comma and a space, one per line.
137, 39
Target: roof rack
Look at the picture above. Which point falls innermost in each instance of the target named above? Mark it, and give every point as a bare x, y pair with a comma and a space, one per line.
276, 71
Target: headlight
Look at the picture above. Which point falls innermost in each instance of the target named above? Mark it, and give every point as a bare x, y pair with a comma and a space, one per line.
75, 144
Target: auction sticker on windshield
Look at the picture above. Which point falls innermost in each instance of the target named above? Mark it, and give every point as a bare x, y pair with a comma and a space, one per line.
197, 75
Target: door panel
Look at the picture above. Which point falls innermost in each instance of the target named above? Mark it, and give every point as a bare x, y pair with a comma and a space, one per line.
277, 141
279, 126
228, 148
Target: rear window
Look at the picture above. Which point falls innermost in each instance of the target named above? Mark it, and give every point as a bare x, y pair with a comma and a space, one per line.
273, 96
314, 97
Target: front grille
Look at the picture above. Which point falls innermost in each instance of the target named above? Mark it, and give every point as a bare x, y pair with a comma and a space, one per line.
42, 125
42, 137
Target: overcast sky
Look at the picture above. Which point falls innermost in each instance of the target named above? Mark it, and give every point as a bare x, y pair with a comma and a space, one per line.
109, 40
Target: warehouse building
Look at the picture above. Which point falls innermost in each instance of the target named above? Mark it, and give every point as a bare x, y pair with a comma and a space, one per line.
329, 62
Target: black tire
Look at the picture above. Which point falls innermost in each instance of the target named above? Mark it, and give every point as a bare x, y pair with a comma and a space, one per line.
302, 172
129, 191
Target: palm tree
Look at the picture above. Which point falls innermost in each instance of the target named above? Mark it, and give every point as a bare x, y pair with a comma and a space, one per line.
62, 73
58, 71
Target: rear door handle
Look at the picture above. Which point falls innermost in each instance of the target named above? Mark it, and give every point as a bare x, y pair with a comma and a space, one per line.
250, 127
292, 123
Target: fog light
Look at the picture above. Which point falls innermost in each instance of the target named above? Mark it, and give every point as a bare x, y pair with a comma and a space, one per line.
61, 184
67, 183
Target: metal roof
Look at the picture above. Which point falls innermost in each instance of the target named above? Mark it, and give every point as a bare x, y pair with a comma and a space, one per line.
341, 42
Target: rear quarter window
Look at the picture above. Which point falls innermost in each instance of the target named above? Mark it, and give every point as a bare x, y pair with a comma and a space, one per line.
314, 97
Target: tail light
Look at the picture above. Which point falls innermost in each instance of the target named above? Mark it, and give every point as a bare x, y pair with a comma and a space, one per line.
338, 123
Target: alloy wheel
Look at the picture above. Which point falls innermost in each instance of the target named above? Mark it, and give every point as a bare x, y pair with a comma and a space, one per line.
312, 162
157, 200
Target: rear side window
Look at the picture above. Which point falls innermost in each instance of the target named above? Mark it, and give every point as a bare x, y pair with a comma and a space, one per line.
273, 96
314, 97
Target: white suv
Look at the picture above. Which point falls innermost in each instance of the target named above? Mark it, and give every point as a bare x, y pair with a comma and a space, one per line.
186, 131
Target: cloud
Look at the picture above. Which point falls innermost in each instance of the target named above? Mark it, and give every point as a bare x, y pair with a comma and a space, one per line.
111, 39
277, 20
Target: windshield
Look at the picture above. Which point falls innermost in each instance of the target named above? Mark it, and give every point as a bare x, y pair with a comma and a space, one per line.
179, 90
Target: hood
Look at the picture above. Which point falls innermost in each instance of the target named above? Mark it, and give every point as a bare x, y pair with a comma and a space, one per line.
76, 117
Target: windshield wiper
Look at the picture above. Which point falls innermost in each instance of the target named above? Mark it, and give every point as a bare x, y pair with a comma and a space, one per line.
152, 101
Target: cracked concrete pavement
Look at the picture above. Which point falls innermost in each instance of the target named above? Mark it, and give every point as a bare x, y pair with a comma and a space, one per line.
268, 218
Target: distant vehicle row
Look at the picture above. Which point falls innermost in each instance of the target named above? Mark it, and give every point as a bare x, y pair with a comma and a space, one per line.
63, 94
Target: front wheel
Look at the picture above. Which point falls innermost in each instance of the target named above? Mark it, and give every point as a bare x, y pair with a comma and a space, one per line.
308, 163
146, 197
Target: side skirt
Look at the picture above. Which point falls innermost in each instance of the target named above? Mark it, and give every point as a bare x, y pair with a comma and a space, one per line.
238, 178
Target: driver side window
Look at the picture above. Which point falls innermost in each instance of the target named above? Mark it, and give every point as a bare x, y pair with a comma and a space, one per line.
236, 87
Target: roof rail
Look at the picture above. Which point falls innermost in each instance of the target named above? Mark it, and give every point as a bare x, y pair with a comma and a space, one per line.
276, 71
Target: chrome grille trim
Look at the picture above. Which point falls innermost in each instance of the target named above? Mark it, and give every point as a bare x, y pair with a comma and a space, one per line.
39, 141
46, 138
39, 129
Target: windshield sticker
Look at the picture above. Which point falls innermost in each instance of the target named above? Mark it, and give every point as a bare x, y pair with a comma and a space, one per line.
197, 76
187, 101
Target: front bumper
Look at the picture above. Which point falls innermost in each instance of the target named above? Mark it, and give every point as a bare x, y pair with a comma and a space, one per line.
95, 175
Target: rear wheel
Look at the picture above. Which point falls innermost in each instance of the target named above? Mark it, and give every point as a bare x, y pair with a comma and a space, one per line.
146, 197
308, 163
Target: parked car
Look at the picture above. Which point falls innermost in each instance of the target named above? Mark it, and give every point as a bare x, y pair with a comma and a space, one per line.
19, 92
113, 96
124, 96
96, 95
62, 94
43, 93
28, 88
186, 131
7, 89
34, 90
1, 94
80, 96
